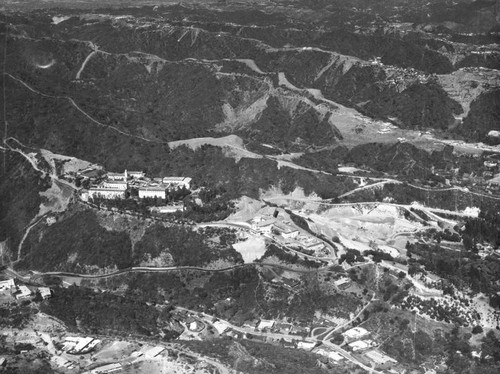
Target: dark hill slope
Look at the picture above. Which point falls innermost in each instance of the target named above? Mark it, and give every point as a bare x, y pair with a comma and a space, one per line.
483, 117
75, 242
20, 187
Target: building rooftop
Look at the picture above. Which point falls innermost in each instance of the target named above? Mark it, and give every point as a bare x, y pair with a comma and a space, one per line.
356, 332
379, 357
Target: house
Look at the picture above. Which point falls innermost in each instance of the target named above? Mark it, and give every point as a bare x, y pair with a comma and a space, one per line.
152, 192
380, 360
355, 333
265, 324
106, 193
22, 293
44, 292
306, 345
178, 182
220, 326
6, 285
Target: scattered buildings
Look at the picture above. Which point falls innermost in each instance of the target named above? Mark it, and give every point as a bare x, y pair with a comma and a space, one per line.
6, 285
62, 362
77, 345
117, 184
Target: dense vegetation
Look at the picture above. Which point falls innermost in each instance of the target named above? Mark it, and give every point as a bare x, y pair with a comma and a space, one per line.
75, 242
20, 199
106, 313
256, 358
186, 246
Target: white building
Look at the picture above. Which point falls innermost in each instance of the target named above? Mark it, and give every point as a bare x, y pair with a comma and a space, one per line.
342, 282
117, 185
178, 182
23, 292
167, 208
6, 285
117, 176
153, 192
355, 333
361, 345
153, 352
220, 326
306, 345
109, 368
106, 193
380, 359
136, 174
44, 292
264, 227
265, 324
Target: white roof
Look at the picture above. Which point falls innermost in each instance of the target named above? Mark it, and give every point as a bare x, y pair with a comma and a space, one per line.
306, 345
355, 332
82, 343
7, 283
360, 344
176, 180
44, 291
153, 352
379, 357
107, 368
152, 188
341, 281
220, 326
24, 290
265, 324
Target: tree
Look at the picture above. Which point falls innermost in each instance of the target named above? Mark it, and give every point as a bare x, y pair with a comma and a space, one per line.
477, 329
